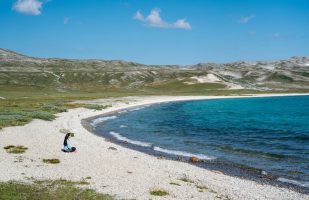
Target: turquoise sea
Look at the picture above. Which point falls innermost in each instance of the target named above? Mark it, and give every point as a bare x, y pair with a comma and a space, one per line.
270, 134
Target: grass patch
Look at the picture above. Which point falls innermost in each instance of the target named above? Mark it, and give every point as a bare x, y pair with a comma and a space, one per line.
8, 147
51, 161
83, 182
201, 187
49, 190
96, 106
186, 180
173, 183
15, 149
158, 192
43, 115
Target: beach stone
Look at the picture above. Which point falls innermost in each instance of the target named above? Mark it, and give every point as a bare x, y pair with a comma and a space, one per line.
160, 157
194, 159
112, 148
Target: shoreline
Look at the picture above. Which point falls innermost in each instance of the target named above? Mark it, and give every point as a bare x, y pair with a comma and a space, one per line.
110, 169
228, 168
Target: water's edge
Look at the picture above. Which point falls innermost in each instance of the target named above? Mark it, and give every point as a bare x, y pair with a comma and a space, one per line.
228, 168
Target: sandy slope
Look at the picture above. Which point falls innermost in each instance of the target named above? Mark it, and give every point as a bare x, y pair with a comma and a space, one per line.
122, 172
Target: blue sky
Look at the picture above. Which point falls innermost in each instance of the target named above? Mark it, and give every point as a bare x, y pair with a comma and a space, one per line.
157, 31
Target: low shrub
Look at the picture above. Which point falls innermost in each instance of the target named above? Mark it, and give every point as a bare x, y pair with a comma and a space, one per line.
173, 183
50, 189
187, 180
42, 115
15, 149
55, 108
158, 192
51, 161
96, 106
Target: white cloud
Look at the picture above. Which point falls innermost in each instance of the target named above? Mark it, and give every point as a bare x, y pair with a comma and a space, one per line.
138, 16
154, 20
28, 7
246, 19
182, 23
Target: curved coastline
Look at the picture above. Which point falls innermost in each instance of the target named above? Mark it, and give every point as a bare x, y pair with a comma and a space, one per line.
231, 169
117, 170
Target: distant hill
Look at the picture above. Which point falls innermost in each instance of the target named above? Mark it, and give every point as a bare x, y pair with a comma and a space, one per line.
18, 69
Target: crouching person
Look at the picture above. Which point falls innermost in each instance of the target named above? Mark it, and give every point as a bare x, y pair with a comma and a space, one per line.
66, 144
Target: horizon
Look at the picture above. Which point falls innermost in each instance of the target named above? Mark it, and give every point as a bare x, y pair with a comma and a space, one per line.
158, 32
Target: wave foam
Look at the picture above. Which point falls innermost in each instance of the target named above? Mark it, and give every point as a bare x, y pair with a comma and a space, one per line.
137, 108
123, 111
102, 119
135, 142
285, 180
183, 153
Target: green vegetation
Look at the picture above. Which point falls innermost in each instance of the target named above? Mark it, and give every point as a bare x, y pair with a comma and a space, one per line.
8, 147
96, 106
51, 161
187, 180
83, 182
15, 149
22, 104
158, 192
181, 88
49, 190
280, 77
201, 187
173, 183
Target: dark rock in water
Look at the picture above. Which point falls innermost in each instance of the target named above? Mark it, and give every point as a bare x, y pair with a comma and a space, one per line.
112, 148
194, 159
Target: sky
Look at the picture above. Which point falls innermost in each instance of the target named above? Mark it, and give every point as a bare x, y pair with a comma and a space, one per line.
180, 32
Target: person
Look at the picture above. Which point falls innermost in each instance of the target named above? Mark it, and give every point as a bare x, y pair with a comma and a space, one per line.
66, 144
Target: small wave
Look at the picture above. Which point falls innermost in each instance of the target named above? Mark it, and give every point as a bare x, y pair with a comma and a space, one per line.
123, 111
102, 119
125, 139
123, 126
257, 153
183, 153
137, 108
301, 137
302, 184
285, 180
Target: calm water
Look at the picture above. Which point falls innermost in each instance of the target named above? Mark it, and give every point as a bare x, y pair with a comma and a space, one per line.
271, 133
